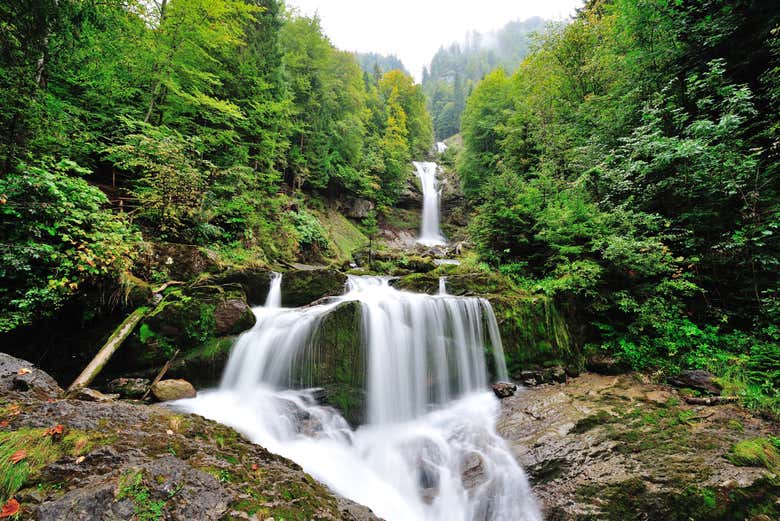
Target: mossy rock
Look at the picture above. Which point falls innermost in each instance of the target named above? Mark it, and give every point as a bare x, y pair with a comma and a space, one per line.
338, 362
625, 499
758, 452
186, 320
302, 287
476, 283
534, 333
189, 317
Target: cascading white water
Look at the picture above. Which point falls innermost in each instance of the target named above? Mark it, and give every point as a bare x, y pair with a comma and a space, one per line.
429, 451
274, 298
430, 232
442, 285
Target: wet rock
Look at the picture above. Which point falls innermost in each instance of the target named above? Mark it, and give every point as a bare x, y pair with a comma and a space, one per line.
21, 378
232, 317
86, 394
698, 380
174, 389
504, 389
132, 388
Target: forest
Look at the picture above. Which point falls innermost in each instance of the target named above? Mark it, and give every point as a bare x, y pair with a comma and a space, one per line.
541, 283
633, 174
222, 123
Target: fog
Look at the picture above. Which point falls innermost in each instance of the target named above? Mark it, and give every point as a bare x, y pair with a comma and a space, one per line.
414, 30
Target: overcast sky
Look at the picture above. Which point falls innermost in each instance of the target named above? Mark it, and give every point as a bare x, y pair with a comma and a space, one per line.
414, 30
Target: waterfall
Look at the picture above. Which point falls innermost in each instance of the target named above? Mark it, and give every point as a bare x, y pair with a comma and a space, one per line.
430, 233
274, 298
443, 287
429, 450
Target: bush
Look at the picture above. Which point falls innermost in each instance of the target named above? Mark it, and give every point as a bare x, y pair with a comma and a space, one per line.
58, 238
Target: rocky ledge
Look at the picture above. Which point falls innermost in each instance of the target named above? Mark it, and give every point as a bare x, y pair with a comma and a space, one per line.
618, 447
78, 460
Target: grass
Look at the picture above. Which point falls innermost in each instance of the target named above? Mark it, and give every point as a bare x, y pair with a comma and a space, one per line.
41, 449
132, 486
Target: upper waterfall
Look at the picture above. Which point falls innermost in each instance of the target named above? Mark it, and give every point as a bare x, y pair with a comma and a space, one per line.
430, 231
274, 298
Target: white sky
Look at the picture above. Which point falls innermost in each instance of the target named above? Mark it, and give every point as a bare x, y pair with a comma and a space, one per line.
414, 30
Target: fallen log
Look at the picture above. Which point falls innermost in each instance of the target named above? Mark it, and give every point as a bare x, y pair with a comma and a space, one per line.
116, 339
710, 400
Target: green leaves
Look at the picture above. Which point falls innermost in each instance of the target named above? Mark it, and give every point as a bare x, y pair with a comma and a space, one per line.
57, 238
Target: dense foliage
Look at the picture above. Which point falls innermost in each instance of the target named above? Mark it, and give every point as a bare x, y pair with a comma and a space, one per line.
455, 70
633, 174
208, 122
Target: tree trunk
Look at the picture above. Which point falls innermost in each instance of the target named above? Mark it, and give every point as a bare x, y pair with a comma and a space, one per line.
107, 351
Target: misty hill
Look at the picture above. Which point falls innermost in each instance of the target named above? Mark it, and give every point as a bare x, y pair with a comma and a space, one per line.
455, 70
371, 61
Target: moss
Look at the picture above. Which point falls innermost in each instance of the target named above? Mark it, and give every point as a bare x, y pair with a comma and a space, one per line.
589, 422
758, 452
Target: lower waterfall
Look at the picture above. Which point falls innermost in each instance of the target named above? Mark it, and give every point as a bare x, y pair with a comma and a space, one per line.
429, 450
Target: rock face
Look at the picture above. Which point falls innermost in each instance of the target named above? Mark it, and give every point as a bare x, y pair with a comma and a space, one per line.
614, 448
340, 365
174, 389
360, 208
118, 460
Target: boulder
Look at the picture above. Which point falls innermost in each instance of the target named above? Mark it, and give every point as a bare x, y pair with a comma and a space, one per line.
169, 390
186, 319
698, 380
129, 387
233, 316
21, 378
504, 389
118, 460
